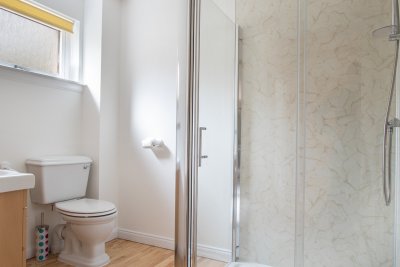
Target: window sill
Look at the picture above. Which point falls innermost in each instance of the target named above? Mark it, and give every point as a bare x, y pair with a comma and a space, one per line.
14, 74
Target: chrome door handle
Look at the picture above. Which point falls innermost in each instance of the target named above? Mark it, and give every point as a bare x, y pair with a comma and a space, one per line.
201, 156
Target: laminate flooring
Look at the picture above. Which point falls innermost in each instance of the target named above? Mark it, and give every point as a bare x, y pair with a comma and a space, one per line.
130, 254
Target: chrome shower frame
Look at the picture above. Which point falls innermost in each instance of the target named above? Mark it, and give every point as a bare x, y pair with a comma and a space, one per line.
187, 146
236, 154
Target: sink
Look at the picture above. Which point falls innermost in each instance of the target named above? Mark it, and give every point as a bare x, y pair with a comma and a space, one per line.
11, 180
7, 172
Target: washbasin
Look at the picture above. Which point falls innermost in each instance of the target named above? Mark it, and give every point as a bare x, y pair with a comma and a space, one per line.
7, 172
11, 180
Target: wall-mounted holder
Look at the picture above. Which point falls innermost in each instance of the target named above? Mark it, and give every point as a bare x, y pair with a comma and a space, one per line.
151, 142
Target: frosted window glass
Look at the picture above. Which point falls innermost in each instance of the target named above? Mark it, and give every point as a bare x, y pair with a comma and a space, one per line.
28, 44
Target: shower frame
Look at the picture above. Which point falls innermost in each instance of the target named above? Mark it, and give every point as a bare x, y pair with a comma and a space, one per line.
188, 147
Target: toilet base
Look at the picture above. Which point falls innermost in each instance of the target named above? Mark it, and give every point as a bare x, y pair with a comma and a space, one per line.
84, 240
79, 261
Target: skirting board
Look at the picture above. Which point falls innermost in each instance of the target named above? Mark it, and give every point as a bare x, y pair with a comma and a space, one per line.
210, 252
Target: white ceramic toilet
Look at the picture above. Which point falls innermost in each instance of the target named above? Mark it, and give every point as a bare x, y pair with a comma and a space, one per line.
62, 180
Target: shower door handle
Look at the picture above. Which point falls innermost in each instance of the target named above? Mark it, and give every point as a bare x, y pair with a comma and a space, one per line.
201, 156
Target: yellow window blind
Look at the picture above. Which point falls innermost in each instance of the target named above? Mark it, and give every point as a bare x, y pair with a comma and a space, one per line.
35, 12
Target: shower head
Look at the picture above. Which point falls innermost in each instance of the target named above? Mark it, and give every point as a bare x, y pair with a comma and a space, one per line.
391, 31
384, 32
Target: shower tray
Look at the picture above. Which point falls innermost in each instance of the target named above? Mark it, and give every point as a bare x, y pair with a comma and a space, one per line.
245, 264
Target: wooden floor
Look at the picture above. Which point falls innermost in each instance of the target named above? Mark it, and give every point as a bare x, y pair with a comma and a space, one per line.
126, 254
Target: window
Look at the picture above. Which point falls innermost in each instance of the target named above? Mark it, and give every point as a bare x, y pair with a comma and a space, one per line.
28, 43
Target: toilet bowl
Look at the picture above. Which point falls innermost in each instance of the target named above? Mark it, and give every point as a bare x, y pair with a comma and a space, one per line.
89, 223
62, 180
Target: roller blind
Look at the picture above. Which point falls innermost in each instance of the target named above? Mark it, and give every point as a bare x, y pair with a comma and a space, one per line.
35, 12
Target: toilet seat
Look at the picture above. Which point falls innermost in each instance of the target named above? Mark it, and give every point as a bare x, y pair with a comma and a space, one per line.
86, 207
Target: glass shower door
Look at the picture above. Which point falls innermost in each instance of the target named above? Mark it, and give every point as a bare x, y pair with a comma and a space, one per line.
268, 72
216, 135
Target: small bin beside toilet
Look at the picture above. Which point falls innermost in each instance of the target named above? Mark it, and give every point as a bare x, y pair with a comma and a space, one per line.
42, 240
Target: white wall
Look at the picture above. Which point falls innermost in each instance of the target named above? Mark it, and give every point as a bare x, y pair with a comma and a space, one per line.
90, 14
71, 8
92, 93
149, 78
38, 118
110, 70
100, 97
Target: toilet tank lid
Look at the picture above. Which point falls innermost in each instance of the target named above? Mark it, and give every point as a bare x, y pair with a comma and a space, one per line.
58, 160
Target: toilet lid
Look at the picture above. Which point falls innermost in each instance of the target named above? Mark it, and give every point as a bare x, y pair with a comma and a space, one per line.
86, 206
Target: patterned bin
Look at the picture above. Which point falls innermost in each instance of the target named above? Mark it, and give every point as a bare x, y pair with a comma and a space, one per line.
42, 242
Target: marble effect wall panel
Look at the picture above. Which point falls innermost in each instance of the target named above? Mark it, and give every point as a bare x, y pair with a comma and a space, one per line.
348, 76
346, 221
268, 78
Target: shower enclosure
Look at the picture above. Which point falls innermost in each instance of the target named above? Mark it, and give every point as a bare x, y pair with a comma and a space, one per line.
281, 109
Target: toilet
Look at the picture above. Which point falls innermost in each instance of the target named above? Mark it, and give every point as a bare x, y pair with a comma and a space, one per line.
62, 181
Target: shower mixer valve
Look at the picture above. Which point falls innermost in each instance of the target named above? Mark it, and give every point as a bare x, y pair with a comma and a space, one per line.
394, 37
394, 123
